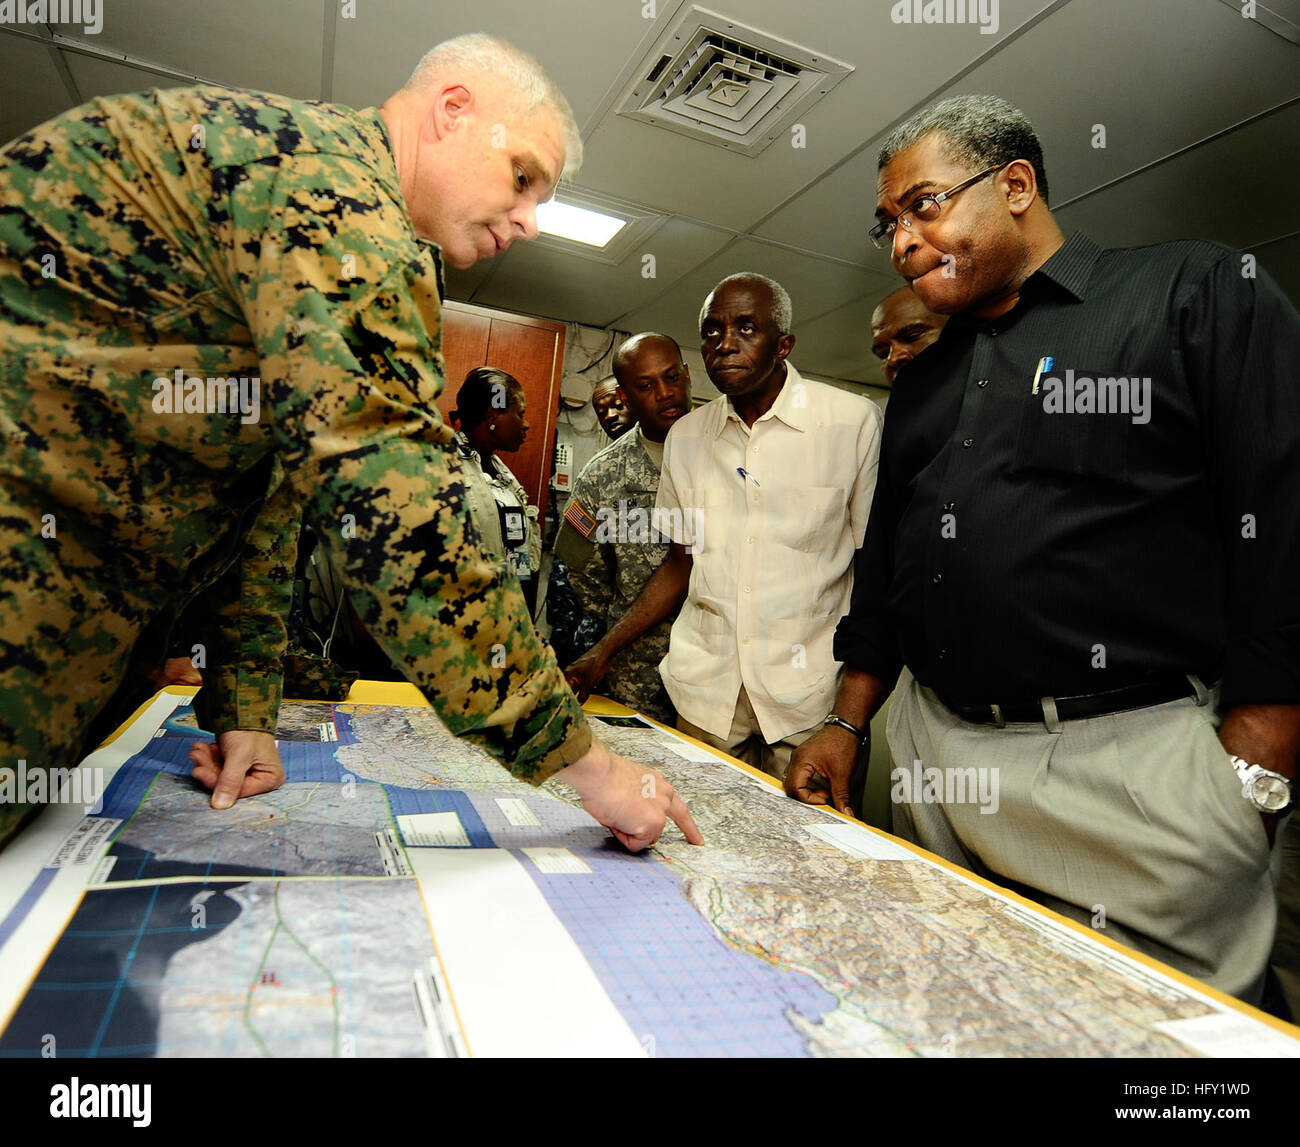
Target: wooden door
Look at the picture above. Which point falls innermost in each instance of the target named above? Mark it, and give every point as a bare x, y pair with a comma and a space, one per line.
532, 350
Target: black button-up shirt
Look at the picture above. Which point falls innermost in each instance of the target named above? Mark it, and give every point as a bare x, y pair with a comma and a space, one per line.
1097, 488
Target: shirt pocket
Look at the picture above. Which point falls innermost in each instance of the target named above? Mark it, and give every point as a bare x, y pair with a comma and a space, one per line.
799, 661
1093, 443
807, 518
699, 521
702, 644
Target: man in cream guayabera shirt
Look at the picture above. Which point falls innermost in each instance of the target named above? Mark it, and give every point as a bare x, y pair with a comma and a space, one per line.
765, 494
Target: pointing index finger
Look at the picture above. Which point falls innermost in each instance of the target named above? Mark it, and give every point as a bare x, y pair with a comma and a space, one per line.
682, 816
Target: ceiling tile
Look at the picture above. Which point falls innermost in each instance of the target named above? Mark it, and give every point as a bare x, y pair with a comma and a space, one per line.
895, 66
96, 77
30, 88
543, 280
581, 44
1201, 194
1158, 76
243, 43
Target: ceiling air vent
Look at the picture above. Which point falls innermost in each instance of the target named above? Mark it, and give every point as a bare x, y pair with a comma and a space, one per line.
727, 84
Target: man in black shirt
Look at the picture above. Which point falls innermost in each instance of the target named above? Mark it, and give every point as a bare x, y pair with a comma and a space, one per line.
1084, 546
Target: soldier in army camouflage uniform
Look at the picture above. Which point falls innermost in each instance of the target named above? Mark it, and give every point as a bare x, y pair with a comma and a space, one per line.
220, 310
607, 538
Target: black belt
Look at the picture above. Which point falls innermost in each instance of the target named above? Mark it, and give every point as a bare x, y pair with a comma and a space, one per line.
1088, 705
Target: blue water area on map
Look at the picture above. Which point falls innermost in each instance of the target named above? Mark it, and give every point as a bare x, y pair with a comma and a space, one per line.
99, 991
166, 754
343, 723
681, 988
406, 801
303, 762
562, 825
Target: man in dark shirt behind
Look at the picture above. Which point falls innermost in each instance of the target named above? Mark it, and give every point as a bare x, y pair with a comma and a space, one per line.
1084, 547
901, 328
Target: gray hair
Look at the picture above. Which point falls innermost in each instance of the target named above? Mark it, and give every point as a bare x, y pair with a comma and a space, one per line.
782, 308
485, 53
977, 132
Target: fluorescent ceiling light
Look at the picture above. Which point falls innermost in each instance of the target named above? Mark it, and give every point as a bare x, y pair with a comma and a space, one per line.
577, 223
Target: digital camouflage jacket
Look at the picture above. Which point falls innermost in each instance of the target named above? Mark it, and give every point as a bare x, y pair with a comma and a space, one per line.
215, 314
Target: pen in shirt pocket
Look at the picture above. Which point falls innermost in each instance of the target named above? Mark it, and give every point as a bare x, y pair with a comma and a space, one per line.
1044, 365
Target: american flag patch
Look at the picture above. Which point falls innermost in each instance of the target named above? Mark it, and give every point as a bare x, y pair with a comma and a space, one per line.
579, 519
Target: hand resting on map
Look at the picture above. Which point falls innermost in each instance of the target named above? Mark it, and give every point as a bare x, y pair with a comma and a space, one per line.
240, 764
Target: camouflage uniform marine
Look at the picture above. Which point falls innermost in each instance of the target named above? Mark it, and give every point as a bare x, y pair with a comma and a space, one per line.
611, 550
228, 234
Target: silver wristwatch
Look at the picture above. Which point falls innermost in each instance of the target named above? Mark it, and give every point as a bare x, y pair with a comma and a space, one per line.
1268, 791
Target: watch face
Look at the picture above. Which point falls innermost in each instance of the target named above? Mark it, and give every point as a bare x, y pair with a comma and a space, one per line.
1272, 794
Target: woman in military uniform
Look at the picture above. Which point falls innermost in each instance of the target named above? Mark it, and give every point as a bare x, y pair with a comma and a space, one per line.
490, 416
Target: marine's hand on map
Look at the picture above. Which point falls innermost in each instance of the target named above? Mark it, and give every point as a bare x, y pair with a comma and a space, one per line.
632, 801
241, 764
830, 756
586, 672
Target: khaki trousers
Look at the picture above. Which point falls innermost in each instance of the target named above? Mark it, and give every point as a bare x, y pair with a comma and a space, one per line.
1286, 945
745, 740
1133, 822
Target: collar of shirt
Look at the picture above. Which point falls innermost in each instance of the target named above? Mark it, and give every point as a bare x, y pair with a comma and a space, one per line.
793, 414
655, 450
498, 474
372, 123
1068, 270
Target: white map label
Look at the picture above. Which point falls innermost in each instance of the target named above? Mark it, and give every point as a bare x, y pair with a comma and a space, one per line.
390, 849
1229, 1035
83, 844
860, 842
433, 830
518, 813
556, 861
688, 751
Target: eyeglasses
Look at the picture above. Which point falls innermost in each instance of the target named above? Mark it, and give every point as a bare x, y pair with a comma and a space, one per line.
924, 209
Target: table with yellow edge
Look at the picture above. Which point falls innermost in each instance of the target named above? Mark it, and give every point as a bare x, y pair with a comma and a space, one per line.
455, 883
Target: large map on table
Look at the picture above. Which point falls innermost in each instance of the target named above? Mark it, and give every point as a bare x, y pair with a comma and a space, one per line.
401, 894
